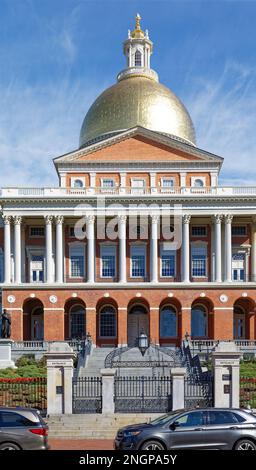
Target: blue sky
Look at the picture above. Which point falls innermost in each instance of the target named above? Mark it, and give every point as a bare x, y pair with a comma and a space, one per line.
56, 56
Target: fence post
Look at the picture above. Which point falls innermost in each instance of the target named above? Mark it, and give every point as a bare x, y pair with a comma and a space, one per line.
226, 368
59, 361
6, 354
178, 387
108, 390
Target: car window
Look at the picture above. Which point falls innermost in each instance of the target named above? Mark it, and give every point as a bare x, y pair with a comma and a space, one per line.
194, 418
224, 417
13, 420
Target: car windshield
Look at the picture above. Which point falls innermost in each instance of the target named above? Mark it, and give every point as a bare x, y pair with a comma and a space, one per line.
165, 418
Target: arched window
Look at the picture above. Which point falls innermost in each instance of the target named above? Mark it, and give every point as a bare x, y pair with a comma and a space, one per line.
137, 59
77, 321
168, 322
198, 183
78, 184
239, 322
199, 320
107, 322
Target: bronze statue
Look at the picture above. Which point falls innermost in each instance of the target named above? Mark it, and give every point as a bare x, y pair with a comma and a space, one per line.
5, 325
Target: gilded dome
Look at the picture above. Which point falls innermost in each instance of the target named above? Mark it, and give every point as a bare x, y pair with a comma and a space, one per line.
137, 101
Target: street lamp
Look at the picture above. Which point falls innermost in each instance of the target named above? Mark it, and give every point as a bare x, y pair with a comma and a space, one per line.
143, 343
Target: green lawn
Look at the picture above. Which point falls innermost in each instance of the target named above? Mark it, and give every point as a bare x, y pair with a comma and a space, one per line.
26, 367
248, 369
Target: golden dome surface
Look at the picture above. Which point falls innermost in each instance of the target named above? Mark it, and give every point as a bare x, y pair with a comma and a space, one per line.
137, 101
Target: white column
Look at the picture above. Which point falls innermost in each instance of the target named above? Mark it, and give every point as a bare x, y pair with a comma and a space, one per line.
90, 219
183, 177
7, 248
253, 250
228, 248
48, 248
122, 247
17, 248
185, 249
154, 249
153, 187
59, 219
217, 221
92, 182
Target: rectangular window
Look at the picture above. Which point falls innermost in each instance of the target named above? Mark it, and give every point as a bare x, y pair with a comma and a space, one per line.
138, 186
138, 261
37, 268
199, 231
238, 230
168, 263
108, 261
71, 231
37, 231
77, 261
167, 182
107, 183
199, 257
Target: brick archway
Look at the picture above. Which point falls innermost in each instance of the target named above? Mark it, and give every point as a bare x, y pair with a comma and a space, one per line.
107, 322
170, 320
244, 319
71, 310
202, 319
33, 320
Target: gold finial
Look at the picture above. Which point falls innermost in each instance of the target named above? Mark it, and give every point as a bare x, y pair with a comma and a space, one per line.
138, 18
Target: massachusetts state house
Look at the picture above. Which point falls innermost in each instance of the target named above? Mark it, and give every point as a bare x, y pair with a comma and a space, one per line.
63, 274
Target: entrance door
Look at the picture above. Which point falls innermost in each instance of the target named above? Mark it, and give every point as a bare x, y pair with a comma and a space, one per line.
137, 323
239, 326
37, 325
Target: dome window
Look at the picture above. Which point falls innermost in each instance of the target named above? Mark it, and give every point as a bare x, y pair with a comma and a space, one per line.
137, 59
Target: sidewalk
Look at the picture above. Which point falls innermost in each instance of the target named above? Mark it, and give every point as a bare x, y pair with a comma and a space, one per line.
83, 444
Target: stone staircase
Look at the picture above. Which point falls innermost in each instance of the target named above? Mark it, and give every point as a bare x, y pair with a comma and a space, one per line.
95, 362
93, 426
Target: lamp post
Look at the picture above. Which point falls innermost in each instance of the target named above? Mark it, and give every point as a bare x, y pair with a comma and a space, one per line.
143, 343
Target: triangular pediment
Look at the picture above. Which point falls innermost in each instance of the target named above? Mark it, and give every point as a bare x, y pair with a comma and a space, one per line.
138, 145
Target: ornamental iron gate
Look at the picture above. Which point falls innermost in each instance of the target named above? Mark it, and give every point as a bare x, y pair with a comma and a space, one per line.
143, 394
198, 392
87, 395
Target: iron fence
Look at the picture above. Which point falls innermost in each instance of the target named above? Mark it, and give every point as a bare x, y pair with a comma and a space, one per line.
247, 392
198, 392
87, 395
25, 392
143, 394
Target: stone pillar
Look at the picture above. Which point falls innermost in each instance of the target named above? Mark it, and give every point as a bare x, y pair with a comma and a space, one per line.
59, 219
59, 362
17, 249
90, 219
6, 354
154, 249
7, 248
178, 388
153, 188
122, 247
228, 248
92, 182
122, 326
122, 189
217, 221
108, 379
48, 248
226, 366
253, 251
185, 249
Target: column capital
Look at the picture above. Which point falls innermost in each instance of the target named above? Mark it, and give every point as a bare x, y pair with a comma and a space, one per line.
17, 220
122, 218
59, 219
186, 219
155, 218
90, 219
48, 219
7, 219
228, 218
217, 218
254, 219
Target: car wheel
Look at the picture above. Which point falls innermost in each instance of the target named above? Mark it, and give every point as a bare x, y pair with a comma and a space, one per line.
245, 444
9, 446
152, 445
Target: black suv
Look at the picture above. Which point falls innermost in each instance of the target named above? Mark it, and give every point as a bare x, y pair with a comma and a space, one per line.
208, 428
22, 429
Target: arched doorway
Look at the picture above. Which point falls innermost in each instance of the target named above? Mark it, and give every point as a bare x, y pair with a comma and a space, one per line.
168, 322
239, 322
244, 318
75, 319
199, 321
138, 322
33, 320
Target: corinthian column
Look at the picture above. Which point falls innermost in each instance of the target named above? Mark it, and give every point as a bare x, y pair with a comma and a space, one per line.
17, 248
228, 248
90, 219
217, 224
122, 247
154, 248
48, 248
7, 248
185, 249
253, 252
59, 219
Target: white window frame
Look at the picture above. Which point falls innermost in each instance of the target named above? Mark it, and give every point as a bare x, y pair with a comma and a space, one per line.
74, 245
199, 245
201, 178
144, 247
75, 178
111, 247
167, 189
99, 323
162, 251
36, 226
199, 225
240, 225
37, 251
236, 250
136, 189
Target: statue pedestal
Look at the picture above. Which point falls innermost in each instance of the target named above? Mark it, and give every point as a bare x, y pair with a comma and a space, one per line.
6, 354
